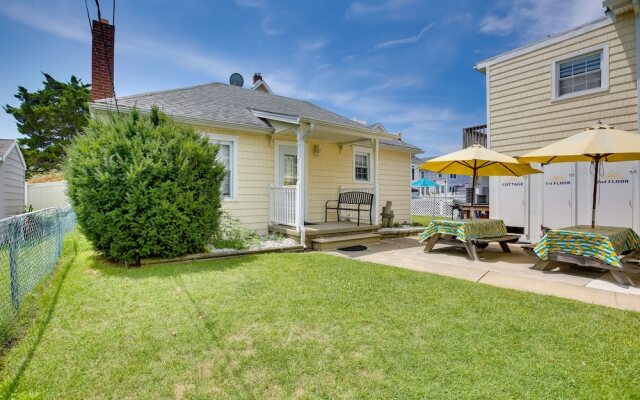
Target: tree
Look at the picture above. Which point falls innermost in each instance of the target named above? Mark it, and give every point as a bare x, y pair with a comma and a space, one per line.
144, 186
49, 119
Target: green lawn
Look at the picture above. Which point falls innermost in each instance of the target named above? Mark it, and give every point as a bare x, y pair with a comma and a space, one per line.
310, 326
424, 220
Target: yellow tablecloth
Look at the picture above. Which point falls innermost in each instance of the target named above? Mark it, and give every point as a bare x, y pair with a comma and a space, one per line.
465, 229
602, 242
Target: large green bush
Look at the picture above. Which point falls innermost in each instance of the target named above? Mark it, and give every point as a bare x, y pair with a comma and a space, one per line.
144, 186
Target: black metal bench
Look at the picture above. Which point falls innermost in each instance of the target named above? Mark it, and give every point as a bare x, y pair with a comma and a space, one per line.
351, 201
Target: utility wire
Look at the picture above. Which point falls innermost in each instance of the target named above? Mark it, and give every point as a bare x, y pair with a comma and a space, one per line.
86, 6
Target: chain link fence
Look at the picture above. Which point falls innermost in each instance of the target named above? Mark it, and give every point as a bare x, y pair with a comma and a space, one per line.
434, 206
30, 245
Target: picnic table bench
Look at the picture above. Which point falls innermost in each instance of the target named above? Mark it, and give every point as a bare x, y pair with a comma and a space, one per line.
472, 235
609, 248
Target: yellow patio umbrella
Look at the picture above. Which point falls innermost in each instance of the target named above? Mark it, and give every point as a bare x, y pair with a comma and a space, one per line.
596, 144
477, 160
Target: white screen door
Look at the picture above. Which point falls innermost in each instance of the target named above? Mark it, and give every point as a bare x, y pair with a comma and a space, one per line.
287, 166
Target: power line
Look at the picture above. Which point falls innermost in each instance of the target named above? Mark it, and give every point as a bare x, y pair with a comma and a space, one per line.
86, 6
98, 7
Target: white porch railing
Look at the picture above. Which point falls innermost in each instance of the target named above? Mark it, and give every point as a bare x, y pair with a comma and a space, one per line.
282, 205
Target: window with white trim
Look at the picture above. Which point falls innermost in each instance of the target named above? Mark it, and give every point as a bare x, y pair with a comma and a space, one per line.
453, 176
361, 166
226, 156
580, 74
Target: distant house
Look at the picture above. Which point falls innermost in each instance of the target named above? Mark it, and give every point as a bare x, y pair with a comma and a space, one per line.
285, 157
12, 169
455, 183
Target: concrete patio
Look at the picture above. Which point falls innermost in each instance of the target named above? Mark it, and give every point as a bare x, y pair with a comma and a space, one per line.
508, 270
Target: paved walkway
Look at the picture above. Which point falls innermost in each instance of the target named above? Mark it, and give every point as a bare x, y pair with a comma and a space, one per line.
507, 270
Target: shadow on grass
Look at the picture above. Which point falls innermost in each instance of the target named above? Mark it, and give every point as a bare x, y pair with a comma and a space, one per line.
216, 339
109, 268
12, 384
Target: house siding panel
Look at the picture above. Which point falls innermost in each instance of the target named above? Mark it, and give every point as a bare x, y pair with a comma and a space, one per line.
13, 184
394, 181
523, 116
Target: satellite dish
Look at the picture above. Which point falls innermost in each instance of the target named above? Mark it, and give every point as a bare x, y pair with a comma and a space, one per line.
236, 79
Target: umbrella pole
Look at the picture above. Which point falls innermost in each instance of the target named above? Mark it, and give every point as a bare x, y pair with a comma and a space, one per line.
595, 192
473, 192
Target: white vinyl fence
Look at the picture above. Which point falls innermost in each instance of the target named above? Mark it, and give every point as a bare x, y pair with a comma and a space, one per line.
46, 194
435, 206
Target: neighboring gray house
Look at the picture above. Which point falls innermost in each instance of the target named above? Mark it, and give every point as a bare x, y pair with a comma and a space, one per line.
455, 183
12, 169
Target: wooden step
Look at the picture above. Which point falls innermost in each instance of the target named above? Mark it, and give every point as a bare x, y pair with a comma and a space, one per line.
336, 242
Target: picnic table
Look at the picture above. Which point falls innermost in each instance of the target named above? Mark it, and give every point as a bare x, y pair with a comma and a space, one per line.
601, 247
470, 234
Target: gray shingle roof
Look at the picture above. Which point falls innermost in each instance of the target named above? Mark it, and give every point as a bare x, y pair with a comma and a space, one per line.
400, 145
230, 104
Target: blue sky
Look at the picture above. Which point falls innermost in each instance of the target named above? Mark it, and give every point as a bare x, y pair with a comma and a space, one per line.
406, 63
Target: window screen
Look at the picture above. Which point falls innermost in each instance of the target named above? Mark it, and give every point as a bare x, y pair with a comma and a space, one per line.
361, 163
580, 74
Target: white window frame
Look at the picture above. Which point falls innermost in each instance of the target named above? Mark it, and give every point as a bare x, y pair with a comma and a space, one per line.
276, 157
216, 138
604, 68
369, 152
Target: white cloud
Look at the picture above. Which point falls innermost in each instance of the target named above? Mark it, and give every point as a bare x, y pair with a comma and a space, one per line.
360, 9
64, 25
538, 18
316, 44
271, 26
250, 3
407, 40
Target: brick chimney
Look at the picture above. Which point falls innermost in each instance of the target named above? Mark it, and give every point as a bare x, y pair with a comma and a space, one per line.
257, 77
102, 42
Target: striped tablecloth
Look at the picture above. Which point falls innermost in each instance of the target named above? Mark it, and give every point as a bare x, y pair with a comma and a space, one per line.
602, 242
465, 229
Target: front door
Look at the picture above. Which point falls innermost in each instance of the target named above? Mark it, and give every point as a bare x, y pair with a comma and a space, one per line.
287, 165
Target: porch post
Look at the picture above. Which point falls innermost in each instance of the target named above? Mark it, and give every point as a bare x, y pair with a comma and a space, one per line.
300, 187
376, 192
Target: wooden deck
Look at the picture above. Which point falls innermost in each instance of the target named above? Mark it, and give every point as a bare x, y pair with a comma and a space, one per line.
342, 233
325, 228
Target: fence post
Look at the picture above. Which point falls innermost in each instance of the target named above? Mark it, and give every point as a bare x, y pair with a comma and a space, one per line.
13, 261
59, 229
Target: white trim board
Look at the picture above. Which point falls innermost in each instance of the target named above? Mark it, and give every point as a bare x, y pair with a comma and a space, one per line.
604, 68
361, 149
217, 137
